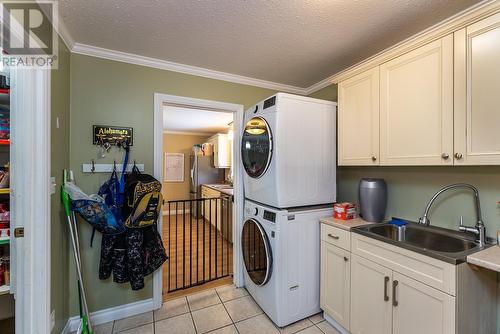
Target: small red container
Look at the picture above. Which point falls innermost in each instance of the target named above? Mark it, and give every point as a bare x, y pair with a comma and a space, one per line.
344, 211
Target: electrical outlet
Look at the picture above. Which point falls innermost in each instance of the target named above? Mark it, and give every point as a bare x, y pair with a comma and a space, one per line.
52, 320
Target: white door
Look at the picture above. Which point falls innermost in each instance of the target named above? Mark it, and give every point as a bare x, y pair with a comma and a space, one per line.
419, 308
371, 308
335, 283
477, 98
358, 119
416, 106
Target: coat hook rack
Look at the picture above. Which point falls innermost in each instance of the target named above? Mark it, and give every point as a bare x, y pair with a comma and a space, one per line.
92, 167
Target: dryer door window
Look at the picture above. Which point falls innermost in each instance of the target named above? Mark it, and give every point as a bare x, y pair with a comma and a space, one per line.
256, 252
256, 147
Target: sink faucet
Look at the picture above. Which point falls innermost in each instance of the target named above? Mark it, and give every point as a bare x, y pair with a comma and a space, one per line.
479, 230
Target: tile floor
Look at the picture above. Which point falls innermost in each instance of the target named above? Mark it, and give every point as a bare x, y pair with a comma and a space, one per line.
223, 310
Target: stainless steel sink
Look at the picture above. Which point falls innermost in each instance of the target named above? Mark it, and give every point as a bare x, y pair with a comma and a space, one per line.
223, 186
446, 245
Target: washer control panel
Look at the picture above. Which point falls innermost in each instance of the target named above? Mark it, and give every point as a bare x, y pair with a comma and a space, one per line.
271, 216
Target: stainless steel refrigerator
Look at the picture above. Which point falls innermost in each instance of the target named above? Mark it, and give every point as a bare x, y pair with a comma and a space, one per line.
202, 172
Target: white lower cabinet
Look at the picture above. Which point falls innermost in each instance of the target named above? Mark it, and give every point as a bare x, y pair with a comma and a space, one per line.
336, 283
371, 308
418, 308
384, 289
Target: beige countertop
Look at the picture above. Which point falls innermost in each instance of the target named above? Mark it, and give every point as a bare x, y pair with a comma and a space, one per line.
344, 224
227, 191
487, 258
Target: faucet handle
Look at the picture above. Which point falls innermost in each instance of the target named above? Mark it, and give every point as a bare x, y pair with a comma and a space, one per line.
461, 222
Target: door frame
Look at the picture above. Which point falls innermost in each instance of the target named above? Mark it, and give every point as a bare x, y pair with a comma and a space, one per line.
30, 198
161, 100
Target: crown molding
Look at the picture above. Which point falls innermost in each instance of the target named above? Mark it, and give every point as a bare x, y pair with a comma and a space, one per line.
439, 30
131, 58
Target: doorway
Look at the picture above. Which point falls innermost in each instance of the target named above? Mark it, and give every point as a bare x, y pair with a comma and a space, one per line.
199, 224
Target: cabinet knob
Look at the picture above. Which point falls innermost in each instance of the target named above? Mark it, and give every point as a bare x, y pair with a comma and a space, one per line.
374, 158
458, 156
445, 156
346, 259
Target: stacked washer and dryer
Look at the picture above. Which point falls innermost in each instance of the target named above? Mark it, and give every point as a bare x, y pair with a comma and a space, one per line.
288, 151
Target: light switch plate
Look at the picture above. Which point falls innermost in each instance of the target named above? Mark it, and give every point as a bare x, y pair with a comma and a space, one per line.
52, 185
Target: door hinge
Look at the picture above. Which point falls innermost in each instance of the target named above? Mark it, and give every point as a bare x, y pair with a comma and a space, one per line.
19, 232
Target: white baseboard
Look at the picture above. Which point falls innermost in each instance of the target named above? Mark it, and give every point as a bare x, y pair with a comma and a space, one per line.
335, 324
111, 314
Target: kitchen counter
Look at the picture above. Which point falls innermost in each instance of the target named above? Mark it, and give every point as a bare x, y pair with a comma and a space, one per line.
344, 224
487, 258
226, 191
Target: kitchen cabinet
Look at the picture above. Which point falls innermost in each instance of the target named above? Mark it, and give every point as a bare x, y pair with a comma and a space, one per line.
335, 283
371, 308
418, 308
221, 150
416, 106
218, 211
477, 100
358, 119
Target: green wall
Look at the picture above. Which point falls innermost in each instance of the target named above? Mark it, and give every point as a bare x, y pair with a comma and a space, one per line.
60, 138
410, 188
113, 93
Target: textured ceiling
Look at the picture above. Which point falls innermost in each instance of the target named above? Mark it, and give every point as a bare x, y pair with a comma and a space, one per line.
294, 42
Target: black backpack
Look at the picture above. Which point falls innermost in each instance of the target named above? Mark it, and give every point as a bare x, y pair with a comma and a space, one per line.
143, 199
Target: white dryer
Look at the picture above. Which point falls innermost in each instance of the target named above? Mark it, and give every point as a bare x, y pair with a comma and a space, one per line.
288, 151
281, 254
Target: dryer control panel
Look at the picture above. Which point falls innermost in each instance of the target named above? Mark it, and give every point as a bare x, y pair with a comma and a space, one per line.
270, 216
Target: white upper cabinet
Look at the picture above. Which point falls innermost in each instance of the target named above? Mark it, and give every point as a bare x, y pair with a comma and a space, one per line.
222, 150
358, 119
477, 93
416, 106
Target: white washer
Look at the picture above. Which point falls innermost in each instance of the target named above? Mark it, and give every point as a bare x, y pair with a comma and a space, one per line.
281, 254
294, 135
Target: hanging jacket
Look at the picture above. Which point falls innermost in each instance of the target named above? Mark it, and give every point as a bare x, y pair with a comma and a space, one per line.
131, 256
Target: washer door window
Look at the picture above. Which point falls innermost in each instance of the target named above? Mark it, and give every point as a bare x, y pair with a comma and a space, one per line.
256, 147
256, 252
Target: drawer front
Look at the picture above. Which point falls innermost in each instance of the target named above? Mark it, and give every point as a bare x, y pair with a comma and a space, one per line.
336, 236
425, 269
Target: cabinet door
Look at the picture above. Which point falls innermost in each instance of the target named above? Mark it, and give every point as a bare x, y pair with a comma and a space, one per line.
358, 119
477, 98
416, 106
335, 283
418, 308
371, 308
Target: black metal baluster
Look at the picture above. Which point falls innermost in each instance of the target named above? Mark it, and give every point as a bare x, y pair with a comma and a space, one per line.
190, 243
197, 241
183, 244
217, 202
169, 248
210, 241
204, 223
222, 236
176, 243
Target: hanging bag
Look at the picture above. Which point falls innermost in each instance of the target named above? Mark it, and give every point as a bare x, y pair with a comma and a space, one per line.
143, 199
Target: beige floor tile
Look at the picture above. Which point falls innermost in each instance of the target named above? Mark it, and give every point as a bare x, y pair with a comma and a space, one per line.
210, 318
181, 324
172, 308
230, 292
132, 322
231, 329
310, 330
144, 329
317, 318
203, 299
106, 328
296, 326
242, 308
327, 328
259, 324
